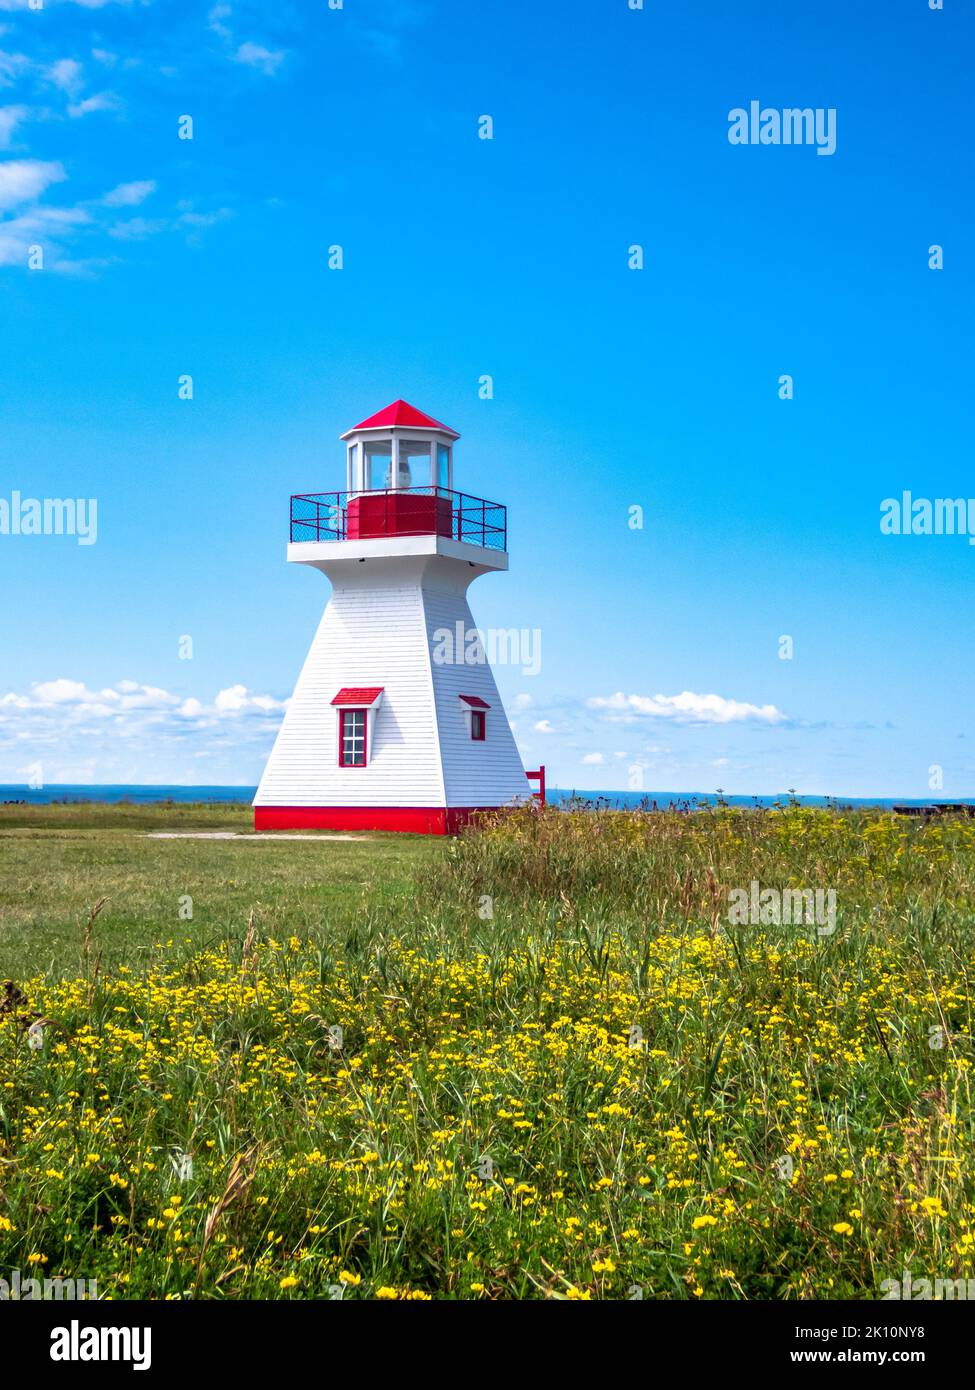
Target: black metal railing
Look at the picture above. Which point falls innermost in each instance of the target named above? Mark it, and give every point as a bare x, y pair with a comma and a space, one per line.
404, 511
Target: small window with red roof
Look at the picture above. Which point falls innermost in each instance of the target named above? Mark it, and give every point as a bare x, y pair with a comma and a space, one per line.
356, 706
475, 712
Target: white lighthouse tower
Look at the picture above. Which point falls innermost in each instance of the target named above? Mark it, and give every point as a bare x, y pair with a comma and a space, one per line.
396, 722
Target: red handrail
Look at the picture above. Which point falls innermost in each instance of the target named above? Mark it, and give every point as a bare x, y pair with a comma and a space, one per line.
323, 516
538, 776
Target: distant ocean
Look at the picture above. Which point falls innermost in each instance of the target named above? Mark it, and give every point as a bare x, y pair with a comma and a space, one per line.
141, 795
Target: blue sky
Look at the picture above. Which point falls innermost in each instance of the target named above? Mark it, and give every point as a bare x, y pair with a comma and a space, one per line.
613, 387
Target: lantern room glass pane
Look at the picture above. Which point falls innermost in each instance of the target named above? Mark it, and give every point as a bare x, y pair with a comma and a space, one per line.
379, 464
414, 463
443, 465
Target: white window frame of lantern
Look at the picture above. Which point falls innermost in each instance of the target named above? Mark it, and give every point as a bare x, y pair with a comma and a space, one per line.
356, 462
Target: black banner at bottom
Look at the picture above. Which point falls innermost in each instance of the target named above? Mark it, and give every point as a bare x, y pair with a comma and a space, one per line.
167, 1339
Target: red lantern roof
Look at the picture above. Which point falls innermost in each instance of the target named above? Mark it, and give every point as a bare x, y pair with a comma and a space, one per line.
401, 413
358, 696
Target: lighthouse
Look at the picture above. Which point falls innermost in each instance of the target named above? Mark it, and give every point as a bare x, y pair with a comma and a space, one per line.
394, 723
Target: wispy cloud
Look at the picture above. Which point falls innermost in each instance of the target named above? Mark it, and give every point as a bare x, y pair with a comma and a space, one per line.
33, 223
250, 54
101, 101
190, 223
45, 227
66, 73
10, 118
11, 5
254, 55
24, 180
137, 228
685, 708
216, 18
65, 89
12, 65
128, 195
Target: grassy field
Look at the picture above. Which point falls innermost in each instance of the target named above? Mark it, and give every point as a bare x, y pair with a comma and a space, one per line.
58, 861
540, 1061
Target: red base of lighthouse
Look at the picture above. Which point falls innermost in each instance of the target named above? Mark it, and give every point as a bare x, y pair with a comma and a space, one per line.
415, 820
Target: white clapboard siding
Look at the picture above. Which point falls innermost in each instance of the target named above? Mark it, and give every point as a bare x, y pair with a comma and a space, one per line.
377, 631
475, 773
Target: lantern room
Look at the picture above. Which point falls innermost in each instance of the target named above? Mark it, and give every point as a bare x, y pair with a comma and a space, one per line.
398, 448
399, 482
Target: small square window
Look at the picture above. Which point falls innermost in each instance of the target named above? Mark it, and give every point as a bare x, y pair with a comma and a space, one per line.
478, 728
352, 738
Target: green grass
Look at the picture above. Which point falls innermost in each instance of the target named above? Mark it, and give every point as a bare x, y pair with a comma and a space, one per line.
540, 1061
57, 862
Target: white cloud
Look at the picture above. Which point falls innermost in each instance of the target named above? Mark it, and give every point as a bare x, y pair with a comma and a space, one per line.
686, 708
523, 701
11, 64
594, 759
90, 233
82, 4
265, 59
10, 116
237, 699
72, 698
40, 225
101, 101
137, 228
543, 727
251, 55
128, 195
23, 180
199, 221
59, 692
67, 720
66, 73
215, 20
